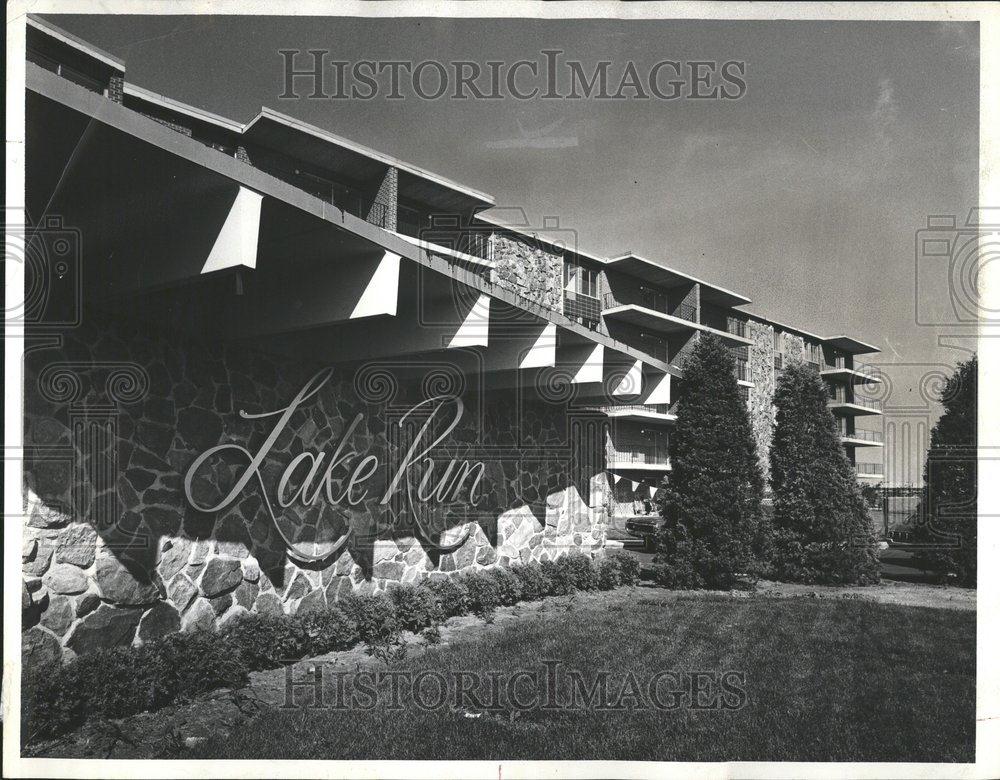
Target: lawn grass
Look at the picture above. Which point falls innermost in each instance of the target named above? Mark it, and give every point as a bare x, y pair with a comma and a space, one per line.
826, 680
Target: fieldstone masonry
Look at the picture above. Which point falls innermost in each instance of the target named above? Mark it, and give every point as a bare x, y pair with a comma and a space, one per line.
764, 378
527, 270
95, 577
762, 374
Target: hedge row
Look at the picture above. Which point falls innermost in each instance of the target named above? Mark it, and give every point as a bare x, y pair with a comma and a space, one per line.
127, 680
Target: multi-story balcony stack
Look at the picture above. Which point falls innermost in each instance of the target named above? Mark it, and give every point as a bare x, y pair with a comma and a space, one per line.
847, 378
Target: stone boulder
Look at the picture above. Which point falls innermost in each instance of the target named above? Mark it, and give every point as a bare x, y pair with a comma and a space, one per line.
59, 616
221, 576
268, 604
87, 603
119, 586
77, 544
39, 649
159, 621
200, 617
105, 627
174, 556
181, 591
65, 578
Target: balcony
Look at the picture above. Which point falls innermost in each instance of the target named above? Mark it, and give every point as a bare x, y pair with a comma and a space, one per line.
862, 438
678, 319
637, 457
840, 372
584, 309
640, 412
870, 470
855, 405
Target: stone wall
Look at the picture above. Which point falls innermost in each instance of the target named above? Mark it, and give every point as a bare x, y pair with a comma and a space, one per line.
113, 553
527, 270
762, 374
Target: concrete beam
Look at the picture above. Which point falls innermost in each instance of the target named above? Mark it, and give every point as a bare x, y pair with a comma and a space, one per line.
236, 243
631, 383
475, 328
382, 292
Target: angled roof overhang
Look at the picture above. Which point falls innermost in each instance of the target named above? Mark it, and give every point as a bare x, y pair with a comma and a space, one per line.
849, 344
172, 225
154, 99
660, 275
302, 141
84, 48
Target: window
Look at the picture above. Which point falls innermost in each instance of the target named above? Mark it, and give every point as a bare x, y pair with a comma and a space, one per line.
578, 280
580, 294
814, 354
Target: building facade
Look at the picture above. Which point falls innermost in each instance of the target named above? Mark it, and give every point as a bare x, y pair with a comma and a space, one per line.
267, 366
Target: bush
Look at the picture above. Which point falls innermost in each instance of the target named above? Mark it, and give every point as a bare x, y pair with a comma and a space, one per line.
452, 596
105, 684
828, 563
560, 578
581, 569
375, 618
266, 641
949, 532
713, 526
124, 681
189, 664
628, 569
823, 530
484, 593
609, 573
535, 584
507, 584
683, 562
415, 607
327, 630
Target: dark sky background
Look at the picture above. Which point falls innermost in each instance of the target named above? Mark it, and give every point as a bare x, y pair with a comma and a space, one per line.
805, 195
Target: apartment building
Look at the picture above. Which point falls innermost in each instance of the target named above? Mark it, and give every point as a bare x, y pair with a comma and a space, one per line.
196, 271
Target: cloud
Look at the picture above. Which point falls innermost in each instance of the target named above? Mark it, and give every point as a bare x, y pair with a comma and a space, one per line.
886, 110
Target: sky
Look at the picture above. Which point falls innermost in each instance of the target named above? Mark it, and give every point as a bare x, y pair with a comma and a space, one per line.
805, 194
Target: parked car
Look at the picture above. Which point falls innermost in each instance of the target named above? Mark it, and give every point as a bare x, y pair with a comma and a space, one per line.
645, 527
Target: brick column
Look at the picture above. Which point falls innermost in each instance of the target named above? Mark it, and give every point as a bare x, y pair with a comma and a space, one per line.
383, 211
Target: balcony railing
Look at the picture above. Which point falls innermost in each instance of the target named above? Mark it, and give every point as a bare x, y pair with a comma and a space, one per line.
857, 400
870, 469
873, 436
652, 408
683, 311
640, 454
585, 309
742, 371
840, 364
736, 327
